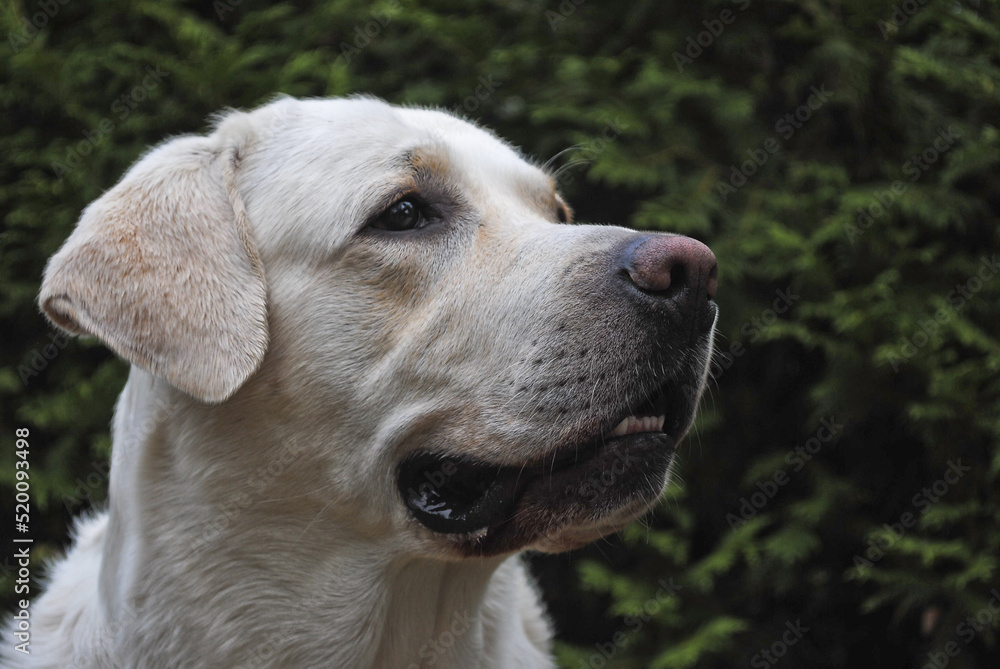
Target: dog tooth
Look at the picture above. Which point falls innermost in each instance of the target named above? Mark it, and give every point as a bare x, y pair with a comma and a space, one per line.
620, 429
660, 420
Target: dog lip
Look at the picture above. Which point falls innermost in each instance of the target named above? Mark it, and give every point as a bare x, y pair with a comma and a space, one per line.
624, 472
456, 495
667, 401
459, 496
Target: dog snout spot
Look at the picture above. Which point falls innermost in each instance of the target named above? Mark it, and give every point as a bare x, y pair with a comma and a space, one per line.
666, 265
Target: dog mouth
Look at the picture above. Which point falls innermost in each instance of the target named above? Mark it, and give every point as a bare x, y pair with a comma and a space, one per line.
501, 505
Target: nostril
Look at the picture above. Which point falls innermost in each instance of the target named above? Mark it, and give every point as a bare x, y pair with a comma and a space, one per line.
678, 275
713, 281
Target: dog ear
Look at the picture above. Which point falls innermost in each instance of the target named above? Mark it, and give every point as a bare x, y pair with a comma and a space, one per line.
163, 269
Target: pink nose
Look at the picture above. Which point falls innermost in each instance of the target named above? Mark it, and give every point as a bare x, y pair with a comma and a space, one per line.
672, 262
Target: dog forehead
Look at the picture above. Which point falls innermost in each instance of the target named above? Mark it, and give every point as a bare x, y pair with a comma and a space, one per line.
319, 166
374, 132
472, 145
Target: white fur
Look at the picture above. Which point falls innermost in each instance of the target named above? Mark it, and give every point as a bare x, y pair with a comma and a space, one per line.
253, 519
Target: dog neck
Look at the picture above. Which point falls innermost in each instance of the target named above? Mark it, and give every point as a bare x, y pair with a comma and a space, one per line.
190, 560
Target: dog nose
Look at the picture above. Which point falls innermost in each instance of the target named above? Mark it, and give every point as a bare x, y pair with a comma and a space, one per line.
668, 264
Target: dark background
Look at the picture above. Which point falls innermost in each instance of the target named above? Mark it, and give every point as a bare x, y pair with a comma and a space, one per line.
889, 327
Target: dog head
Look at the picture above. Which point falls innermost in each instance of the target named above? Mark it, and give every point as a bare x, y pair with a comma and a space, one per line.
473, 374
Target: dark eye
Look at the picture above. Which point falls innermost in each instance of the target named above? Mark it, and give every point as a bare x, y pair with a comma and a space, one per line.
406, 214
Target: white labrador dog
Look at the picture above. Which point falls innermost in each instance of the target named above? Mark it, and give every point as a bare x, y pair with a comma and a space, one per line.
370, 366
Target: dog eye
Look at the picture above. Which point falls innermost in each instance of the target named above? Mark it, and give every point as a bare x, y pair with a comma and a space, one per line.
406, 214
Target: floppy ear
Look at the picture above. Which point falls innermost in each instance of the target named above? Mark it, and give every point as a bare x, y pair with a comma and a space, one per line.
163, 270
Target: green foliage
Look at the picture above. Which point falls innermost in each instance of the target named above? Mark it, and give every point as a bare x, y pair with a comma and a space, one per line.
892, 333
